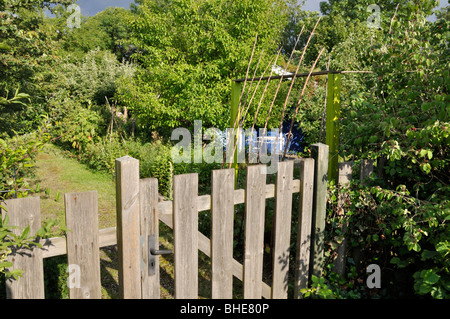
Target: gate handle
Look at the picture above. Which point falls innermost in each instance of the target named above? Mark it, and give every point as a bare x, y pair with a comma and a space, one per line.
160, 251
152, 253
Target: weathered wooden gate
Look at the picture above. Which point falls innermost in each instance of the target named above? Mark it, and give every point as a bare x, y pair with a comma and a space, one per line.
137, 233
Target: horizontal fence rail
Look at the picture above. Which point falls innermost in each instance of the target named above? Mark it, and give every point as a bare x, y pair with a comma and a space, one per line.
138, 216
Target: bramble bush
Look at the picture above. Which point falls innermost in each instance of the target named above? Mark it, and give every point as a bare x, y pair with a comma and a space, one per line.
399, 117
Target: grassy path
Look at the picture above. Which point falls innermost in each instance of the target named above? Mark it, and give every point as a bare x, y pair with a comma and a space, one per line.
57, 173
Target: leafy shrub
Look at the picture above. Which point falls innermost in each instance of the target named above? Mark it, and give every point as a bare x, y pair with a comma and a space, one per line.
400, 118
16, 160
78, 128
154, 158
392, 227
8, 239
155, 161
89, 80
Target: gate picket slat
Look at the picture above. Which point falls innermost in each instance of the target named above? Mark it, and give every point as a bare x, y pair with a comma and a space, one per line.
83, 255
222, 215
148, 194
282, 229
302, 258
128, 227
254, 231
185, 232
25, 212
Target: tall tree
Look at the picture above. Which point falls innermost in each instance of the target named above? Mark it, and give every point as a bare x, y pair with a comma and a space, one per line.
107, 30
25, 54
190, 50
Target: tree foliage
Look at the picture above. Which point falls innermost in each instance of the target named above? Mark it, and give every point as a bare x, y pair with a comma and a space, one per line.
189, 51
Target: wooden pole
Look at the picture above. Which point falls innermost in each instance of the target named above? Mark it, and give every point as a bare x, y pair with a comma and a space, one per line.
128, 227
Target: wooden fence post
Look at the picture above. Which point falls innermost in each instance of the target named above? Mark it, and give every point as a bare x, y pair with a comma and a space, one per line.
282, 229
344, 177
222, 218
305, 213
25, 212
254, 231
365, 170
83, 255
128, 227
148, 195
319, 152
185, 233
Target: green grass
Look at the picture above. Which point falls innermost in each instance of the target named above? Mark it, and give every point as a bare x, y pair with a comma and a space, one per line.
58, 174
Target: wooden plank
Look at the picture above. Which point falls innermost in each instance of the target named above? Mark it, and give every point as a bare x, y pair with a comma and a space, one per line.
185, 232
57, 246
282, 229
107, 236
128, 227
204, 201
25, 212
204, 245
254, 231
320, 154
83, 256
345, 171
222, 216
365, 170
148, 194
302, 258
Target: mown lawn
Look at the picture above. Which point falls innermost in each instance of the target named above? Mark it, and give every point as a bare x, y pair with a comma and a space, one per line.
57, 173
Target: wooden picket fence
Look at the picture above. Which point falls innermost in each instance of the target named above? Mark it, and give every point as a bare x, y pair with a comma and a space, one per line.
139, 212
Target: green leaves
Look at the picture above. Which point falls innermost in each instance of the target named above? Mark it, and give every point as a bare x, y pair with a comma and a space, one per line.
16, 159
189, 51
425, 167
435, 280
319, 289
12, 237
401, 263
425, 280
443, 248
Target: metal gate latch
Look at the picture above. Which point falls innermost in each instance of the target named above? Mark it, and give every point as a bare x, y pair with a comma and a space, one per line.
153, 252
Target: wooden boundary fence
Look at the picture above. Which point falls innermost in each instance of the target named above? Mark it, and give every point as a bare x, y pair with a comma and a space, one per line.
138, 216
